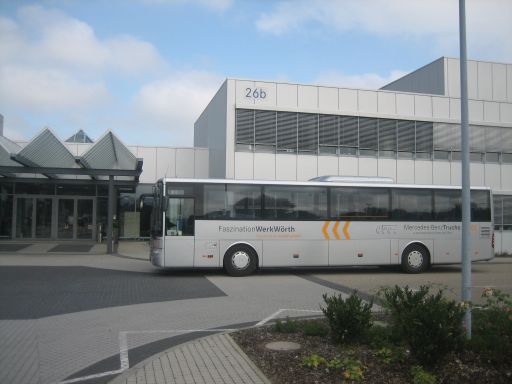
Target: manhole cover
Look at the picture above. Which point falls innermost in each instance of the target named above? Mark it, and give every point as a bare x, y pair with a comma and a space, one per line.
282, 346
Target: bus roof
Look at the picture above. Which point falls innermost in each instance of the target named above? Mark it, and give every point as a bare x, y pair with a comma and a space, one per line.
314, 183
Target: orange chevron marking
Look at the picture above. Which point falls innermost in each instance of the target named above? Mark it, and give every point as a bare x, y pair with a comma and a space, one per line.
335, 230
324, 230
345, 230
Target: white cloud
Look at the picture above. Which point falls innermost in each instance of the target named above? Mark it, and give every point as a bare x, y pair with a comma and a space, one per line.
365, 81
53, 39
44, 90
173, 104
488, 22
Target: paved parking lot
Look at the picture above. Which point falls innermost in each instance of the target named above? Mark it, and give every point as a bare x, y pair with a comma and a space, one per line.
66, 317
497, 274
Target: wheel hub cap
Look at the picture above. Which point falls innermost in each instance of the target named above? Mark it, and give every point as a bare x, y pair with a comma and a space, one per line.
415, 259
240, 260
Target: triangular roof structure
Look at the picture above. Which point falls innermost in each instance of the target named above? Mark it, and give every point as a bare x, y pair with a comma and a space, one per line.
46, 150
7, 148
109, 153
80, 137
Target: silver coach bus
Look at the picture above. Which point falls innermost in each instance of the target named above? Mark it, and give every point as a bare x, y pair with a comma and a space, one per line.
244, 225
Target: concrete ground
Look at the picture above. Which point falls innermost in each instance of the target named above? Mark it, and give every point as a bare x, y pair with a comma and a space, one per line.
67, 318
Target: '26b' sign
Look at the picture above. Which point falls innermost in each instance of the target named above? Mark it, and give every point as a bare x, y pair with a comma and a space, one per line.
255, 93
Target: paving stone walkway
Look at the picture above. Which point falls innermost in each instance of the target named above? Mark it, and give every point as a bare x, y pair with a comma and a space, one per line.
213, 359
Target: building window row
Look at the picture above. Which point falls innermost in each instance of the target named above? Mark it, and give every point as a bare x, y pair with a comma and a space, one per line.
311, 133
502, 212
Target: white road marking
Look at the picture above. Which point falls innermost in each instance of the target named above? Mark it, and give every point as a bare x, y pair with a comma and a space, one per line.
275, 314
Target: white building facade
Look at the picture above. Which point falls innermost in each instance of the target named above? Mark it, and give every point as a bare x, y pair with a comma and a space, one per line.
408, 130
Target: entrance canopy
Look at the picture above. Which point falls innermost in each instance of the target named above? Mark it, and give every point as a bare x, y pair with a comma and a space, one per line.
46, 156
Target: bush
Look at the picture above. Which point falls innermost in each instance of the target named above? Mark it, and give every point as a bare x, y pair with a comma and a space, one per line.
492, 326
348, 319
315, 328
429, 323
289, 326
420, 376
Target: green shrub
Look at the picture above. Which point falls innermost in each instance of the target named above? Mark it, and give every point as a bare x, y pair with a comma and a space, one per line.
429, 323
314, 361
348, 319
352, 370
315, 328
288, 326
492, 326
420, 376
391, 355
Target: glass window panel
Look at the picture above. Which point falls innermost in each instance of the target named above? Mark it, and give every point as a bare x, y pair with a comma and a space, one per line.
324, 150
492, 157
179, 217
360, 203
244, 147
243, 201
76, 189
387, 135
441, 155
348, 131
424, 136
423, 155
265, 148
6, 188
6, 202
405, 135
445, 136
84, 219
493, 139
448, 205
477, 138
506, 139
480, 206
295, 203
287, 131
214, 201
24, 211
308, 132
411, 204
244, 126
328, 130
348, 151
265, 127
368, 152
35, 188
367, 133
44, 218
497, 202
456, 156
66, 218
507, 209
476, 157
506, 158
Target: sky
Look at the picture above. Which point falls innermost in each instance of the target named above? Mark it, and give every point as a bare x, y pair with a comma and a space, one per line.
146, 69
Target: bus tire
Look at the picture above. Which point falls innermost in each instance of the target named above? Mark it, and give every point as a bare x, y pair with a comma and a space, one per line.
415, 259
240, 260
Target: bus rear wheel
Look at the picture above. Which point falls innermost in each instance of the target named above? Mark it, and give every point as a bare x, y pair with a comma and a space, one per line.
415, 259
240, 260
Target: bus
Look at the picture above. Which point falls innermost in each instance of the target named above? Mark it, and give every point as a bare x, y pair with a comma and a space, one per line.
244, 225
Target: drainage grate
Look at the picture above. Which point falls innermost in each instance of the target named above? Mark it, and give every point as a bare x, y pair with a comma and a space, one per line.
71, 248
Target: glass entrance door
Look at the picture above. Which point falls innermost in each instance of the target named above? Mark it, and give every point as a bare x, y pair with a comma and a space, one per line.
66, 218
75, 218
43, 221
24, 217
84, 224
34, 217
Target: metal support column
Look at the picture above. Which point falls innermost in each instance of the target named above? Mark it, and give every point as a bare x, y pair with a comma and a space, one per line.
466, 205
110, 215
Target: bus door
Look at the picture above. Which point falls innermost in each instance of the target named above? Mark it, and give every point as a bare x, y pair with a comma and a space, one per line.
179, 232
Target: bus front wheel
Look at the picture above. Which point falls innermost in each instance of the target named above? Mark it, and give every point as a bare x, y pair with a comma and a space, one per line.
240, 260
415, 259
